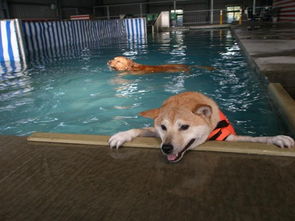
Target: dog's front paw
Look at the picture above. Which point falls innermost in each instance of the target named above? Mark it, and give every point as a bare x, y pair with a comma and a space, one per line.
120, 138
282, 141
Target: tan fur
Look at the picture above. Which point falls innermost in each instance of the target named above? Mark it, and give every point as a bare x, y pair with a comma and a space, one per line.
183, 106
192, 109
122, 63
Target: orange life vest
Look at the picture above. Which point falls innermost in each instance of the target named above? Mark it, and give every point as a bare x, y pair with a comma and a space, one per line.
222, 130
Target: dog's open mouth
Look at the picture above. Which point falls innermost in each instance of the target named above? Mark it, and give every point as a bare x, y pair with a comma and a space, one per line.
176, 157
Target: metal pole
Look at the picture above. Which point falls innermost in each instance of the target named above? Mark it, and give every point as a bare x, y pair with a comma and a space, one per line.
221, 17
241, 14
174, 6
93, 11
58, 8
108, 12
140, 8
211, 12
254, 5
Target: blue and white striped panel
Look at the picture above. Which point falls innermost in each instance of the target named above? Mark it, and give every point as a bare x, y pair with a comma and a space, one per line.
9, 50
135, 27
107, 29
287, 10
53, 39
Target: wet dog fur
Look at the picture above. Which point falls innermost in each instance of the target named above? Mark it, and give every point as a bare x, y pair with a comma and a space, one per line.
128, 66
183, 122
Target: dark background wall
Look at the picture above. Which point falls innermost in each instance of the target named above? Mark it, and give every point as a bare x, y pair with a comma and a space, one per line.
56, 9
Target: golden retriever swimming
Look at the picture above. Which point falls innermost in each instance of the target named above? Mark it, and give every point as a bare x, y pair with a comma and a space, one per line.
124, 64
185, 121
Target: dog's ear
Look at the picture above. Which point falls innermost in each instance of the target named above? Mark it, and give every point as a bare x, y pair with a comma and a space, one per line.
204, 110
153, 113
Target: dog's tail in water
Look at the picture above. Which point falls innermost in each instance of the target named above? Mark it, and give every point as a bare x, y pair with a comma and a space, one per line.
209, 68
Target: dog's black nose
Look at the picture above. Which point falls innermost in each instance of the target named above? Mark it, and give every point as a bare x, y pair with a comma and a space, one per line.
167, 148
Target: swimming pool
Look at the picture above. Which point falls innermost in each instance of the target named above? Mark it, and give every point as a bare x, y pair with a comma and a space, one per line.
78, 93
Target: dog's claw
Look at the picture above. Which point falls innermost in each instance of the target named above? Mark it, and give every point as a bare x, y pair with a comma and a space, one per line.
120, 138
283, 141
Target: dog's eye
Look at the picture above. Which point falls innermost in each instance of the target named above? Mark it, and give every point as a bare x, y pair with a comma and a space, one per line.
184, 127
163, 127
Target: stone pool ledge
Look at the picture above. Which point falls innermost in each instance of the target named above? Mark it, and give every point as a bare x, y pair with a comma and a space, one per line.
285, 104
99, 141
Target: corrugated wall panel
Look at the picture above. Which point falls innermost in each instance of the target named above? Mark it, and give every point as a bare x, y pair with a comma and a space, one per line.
59, 38
12, 56
135, 27
286, 9
9, 49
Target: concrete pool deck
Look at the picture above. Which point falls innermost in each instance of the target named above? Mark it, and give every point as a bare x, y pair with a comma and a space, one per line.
45, 181
64, 177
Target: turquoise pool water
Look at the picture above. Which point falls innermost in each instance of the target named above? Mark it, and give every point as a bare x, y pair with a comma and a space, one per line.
78, 93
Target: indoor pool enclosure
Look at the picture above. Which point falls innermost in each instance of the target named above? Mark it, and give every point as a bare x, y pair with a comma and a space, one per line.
56, 78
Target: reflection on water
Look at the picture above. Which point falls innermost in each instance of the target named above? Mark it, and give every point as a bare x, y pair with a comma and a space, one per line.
175, 84
76, 92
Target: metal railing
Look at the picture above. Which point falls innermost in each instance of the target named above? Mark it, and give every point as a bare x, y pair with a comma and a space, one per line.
136, 9
195, 17
188, 17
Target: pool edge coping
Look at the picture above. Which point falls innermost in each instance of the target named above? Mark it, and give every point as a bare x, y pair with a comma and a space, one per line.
284, 102
97, 141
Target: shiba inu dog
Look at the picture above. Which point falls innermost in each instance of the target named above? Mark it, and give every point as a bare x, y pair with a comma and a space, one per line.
126, 65
187, 120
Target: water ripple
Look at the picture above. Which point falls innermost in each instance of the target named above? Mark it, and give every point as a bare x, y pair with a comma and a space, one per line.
78, 93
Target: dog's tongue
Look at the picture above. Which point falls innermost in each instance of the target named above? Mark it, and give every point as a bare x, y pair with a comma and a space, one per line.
172, 157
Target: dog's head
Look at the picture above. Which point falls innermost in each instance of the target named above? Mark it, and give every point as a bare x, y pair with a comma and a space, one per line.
180, 129
121, 63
